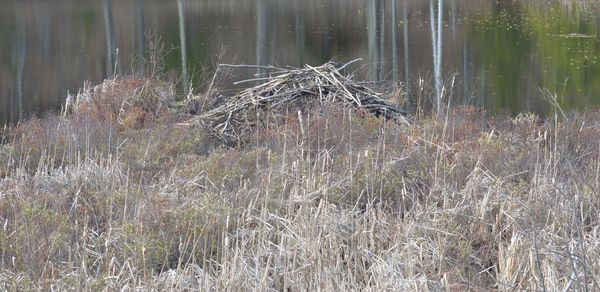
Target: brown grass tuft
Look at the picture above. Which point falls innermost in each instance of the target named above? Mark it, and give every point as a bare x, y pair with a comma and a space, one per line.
129, 102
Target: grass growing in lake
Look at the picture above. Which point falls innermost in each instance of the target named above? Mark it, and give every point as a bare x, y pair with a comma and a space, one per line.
120, 193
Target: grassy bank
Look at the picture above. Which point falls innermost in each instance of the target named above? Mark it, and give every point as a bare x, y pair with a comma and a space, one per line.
121, 192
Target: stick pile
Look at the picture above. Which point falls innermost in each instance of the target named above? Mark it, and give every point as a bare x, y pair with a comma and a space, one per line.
280, 90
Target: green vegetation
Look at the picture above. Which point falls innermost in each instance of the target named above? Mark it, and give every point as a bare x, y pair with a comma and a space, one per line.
121, 193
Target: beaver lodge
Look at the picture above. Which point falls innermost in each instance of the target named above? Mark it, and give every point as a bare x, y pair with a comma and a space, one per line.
279, 91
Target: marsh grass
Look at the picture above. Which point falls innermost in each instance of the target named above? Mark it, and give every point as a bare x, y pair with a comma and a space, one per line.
102, 199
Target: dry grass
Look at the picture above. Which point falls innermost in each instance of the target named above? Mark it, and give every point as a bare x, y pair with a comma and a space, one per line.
322, 200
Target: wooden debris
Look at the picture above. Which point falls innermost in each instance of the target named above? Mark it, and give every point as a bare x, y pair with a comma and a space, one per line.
283, 89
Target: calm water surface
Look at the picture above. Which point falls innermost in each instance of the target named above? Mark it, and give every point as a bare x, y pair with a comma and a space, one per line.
498, 54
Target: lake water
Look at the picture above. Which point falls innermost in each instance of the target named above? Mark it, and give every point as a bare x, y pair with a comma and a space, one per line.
497, 54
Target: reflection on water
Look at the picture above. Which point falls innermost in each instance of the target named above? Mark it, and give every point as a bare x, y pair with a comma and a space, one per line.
499, 52
436, 46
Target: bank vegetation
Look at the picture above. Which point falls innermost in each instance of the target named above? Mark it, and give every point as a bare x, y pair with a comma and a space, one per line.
124, 190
